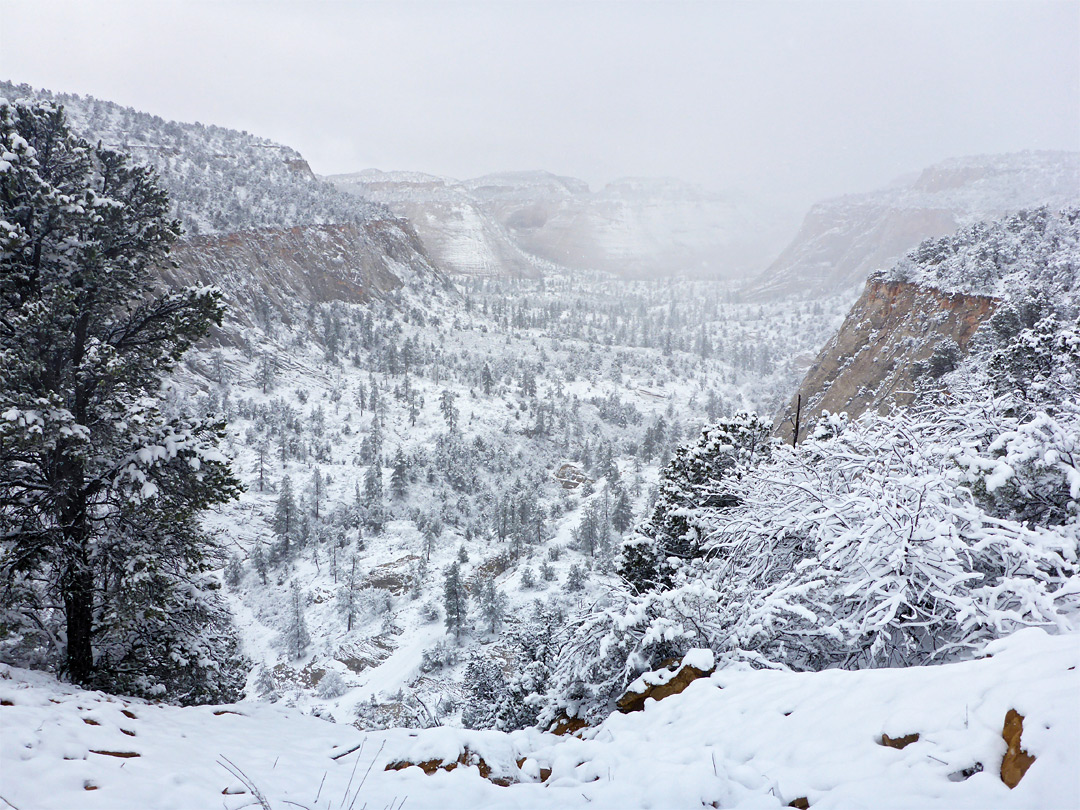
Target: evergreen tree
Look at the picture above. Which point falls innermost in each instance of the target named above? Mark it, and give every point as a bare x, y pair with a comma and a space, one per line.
258, 560
687, 489
455, 600
486, 685
399, 475
622, 513
491, 604
575, 578
348, 596
285, 522
373, 496
317, 486
233, 571
294, 636
101, 555
448, 409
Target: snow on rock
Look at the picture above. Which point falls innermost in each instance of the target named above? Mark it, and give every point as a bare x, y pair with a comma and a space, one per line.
662, 683
735, 739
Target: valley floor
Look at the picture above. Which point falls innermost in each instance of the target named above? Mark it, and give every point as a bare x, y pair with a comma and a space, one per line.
735, 739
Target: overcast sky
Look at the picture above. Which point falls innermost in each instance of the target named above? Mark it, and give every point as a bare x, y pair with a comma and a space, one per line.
805, 98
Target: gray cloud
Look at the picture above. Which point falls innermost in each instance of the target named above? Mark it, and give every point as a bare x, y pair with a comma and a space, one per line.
801, 99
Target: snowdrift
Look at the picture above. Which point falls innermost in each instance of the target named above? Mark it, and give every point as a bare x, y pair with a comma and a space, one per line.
735, 739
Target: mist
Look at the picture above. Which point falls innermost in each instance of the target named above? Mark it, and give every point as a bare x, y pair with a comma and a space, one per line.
788, 101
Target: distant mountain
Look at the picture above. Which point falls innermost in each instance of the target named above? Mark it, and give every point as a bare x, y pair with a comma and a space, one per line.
456, 230
515, 223
259, 223
219, 180
843, 240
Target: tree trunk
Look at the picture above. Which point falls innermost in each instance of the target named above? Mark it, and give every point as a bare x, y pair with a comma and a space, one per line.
77, 579
78, 587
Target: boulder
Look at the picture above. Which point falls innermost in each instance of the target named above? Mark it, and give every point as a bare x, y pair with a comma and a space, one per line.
663, 683
1017, 760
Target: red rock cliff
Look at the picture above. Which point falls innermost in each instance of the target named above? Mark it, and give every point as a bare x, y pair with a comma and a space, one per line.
869, 362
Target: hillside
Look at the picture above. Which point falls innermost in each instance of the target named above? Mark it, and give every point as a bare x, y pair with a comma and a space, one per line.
258, 223
519, 223
456, 229
844, 240
219, 180
481, 519
915, 322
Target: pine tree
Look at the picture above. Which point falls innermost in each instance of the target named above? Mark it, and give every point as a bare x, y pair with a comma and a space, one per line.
399, 476
294, 636
373, 496
99, 491
348, 595
258, 561
317, 485
492, 604
233, 571
622, 514
448, 409
285, 517
688, 485
455, 600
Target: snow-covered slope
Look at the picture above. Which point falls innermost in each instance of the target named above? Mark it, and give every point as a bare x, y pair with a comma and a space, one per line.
843, 240
737, 739
218, 179
516, 223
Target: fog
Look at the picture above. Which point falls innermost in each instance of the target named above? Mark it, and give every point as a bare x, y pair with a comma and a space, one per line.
792, 101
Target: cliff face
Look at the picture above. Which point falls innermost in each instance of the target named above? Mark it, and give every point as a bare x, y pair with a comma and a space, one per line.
870, 362
523, 223
839, 246
844, 240
282, 269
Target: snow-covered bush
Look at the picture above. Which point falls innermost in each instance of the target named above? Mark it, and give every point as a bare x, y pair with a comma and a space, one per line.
331, 685
443, 654
893, 541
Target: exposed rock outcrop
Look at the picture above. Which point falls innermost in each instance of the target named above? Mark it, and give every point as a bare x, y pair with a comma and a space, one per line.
667, 682
1016, 761
872, 361
280, 269
899, 743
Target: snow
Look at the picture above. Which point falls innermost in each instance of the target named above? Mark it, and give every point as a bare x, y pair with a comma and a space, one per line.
740, 738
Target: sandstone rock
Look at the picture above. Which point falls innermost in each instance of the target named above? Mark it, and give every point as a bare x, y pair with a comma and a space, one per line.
467, 758
1016, 760
666, 682
565, 724
899, 742
869, 363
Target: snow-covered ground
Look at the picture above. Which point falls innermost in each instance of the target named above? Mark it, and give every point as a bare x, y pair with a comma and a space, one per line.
735, 739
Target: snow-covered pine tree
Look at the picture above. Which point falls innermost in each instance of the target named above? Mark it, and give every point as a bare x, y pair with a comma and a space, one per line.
492, 604
101, 556
285, 517
348, 595
399, 476
688, 485
294, 635
455, 600
374, 510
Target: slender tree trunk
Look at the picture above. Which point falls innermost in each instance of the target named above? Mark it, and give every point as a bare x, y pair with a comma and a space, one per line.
77, 588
